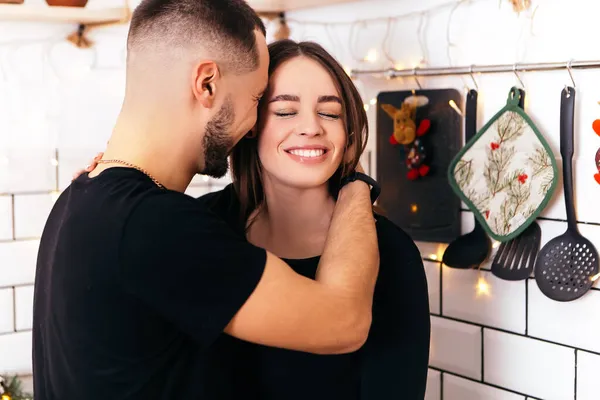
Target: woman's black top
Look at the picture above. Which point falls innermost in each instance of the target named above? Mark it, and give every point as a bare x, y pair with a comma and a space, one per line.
391, 365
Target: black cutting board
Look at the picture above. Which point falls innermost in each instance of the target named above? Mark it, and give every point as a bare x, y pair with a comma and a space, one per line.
436, 217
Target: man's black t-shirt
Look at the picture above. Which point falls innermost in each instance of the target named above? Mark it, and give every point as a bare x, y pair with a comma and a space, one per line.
134, 286
393, 362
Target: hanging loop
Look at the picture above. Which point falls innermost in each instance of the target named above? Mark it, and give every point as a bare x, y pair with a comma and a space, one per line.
569, 70
473, 78
417, 79
517, 75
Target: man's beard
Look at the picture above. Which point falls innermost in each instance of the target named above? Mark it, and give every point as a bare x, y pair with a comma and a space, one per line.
218, 141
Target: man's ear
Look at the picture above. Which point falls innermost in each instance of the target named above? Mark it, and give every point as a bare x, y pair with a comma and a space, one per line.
205, 77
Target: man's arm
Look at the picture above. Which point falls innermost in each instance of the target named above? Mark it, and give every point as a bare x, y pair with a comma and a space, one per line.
331, 314
277, 307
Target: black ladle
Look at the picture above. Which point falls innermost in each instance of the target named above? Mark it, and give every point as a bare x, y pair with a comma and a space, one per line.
470, 250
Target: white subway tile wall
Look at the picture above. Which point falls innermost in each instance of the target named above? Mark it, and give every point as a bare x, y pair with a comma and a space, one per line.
501, 307
7, 310
456, 388
434, 385
58, 106
588, 368
529, 366
6, 218
456, 347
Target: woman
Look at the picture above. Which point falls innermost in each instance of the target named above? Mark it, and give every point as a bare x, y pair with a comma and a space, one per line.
312, 130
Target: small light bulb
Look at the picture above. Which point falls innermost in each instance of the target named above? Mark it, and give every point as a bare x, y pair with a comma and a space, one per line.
366, 106
482, 286
414, 208
399, 66
373, 101
371, 56
496, 244
54, 162
433, 257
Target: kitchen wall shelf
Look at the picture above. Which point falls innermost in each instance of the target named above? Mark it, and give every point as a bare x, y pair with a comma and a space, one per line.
79, 15
271, 6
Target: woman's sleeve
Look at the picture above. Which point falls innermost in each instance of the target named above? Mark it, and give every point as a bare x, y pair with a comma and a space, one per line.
395, 357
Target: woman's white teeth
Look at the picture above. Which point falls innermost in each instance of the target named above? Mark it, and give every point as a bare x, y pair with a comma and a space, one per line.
308, 153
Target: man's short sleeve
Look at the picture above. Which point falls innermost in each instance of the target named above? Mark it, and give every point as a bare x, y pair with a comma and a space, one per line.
186, 263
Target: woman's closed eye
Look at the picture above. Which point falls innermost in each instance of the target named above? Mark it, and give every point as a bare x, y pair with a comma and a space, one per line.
289, 114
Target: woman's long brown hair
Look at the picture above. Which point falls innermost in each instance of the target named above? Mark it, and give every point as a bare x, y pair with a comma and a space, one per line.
246, 168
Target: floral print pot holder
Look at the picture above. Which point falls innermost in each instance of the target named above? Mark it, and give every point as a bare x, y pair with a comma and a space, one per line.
507, 173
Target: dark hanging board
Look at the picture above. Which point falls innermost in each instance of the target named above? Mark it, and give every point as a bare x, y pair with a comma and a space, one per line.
436, 217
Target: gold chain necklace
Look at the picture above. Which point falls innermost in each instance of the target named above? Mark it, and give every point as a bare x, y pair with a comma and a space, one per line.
157, 183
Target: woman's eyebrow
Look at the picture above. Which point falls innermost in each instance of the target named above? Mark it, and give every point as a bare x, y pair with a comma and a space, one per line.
284, 97
292, 97
329, 99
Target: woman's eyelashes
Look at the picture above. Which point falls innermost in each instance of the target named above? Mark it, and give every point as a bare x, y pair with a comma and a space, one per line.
289, 114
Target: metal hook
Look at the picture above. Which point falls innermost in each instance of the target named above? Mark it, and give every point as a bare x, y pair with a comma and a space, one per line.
473, 78
569, 70
517, 75
417, 79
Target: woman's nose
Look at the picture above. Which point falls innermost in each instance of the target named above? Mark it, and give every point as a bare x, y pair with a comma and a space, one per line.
310, 126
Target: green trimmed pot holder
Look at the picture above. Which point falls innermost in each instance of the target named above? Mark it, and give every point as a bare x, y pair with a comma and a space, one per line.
507, 173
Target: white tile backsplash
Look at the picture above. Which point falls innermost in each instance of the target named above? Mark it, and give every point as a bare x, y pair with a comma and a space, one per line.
432, 271
456, 347
7, 310
29, 170
16, 353
434, 385
6, 218
24, 307
528, 366
557, 321
456, 388
588, 371
502, 306
18, 261
31, 214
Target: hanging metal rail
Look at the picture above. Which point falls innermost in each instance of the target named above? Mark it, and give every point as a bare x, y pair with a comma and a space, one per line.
484, 69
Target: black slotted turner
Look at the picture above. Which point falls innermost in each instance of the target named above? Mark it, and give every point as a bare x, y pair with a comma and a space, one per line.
567, 264
515, 259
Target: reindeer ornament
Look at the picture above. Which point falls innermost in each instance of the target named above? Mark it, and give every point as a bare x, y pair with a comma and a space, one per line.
408, 134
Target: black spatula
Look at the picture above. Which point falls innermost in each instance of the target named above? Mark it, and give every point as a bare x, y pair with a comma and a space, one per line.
470, 250
515, 259
566, 265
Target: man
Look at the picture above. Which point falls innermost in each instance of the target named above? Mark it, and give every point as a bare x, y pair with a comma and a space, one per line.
136, 282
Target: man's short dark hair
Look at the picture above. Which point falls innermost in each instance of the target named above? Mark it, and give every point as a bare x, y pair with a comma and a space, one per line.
224, 28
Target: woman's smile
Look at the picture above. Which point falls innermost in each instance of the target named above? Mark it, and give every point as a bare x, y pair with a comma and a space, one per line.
308, 154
